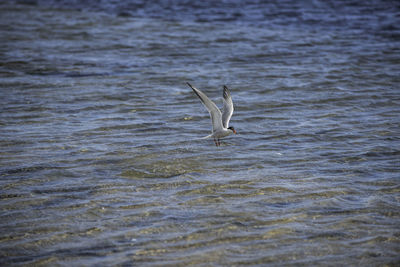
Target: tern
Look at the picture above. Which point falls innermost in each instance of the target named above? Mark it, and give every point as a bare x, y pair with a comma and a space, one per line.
220, 121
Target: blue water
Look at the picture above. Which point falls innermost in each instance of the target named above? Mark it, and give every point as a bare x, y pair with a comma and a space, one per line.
101, 161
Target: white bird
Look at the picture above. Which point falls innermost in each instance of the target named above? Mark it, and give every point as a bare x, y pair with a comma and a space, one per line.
220, 121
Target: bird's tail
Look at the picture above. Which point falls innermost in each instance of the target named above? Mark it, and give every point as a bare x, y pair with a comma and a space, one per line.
206, 137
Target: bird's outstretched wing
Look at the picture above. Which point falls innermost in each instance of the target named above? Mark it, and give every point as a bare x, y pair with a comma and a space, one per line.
228, 107
215, 113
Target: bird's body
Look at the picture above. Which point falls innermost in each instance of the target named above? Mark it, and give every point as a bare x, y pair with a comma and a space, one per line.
219, 134
220, 121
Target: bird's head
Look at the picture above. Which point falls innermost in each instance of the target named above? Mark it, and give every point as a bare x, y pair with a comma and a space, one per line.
232, 129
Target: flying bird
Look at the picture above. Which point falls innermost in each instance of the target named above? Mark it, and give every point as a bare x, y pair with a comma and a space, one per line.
220, 121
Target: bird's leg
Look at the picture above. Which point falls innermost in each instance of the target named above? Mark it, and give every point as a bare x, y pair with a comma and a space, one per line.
215, 142
219, 142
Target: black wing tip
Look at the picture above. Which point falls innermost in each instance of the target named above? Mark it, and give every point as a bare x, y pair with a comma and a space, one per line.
226, 92
195, 91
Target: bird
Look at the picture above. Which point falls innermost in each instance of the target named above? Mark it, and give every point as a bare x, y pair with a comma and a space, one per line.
220, 121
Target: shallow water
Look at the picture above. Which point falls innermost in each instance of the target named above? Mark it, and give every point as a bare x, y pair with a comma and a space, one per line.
101, 161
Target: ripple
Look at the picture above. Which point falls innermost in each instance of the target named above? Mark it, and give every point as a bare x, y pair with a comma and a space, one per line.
101, 158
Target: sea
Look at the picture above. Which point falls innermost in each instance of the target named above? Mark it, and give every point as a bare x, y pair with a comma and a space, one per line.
102, 161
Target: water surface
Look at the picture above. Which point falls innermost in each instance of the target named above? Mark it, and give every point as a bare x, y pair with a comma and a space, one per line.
101, 161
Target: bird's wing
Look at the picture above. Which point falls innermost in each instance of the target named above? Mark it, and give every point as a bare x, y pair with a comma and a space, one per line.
214, 111
228, 107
